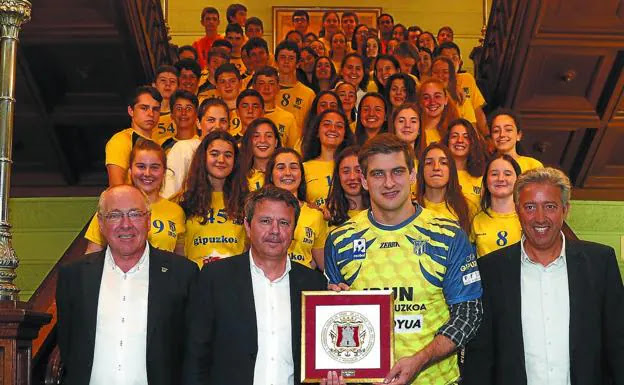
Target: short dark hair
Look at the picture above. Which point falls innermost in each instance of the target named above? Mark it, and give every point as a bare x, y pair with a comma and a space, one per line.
301, 13
207, 10
221, 43
226, 68
187, 48
266, 71
351, 14
183, 94
294, 31
414, 28
272, 193
218, 52
232, 10
254, 21
189, 64
166, 69
384, 143
234, 28
289, 46
385, 14
406, 49
256, 42
504, 111
446, 45
249, 92
152, 91
445, 28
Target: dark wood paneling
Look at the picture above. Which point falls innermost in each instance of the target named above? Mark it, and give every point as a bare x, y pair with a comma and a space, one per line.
588, 19
607, 167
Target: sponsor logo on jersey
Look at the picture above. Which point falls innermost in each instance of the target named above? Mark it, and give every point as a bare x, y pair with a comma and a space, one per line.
296, 257
467, 92
476, 190
359, 248
388, 245
309, 234
471, 278
409, 307
471, 258
206, 240
468, 266
399, 293
298, 102
419, 247
412, 323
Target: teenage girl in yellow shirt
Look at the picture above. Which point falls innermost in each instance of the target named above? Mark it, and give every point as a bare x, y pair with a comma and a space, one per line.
212, 201
327, 136
497, 224
506, 133
285, 170
257, 145
438, 109
405, 124
346, 196
147, 171
468, 152
438, 186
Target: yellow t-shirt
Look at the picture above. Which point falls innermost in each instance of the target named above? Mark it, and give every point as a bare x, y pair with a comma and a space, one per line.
165, 129
286, 125
218, 238
527, 163
466, 111
350, 213
471, 186
371, 86
256, 180
447, 212
433, 135
318, 174
353, 126
167, 227
310, 233
207, 94
466, 82
296, 99
492, 233
238, 62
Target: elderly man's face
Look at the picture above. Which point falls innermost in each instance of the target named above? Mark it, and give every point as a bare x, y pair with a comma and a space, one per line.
124, 221
541, 215
271, 229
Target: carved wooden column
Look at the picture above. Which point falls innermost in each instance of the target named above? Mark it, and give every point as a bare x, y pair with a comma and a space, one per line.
18, 325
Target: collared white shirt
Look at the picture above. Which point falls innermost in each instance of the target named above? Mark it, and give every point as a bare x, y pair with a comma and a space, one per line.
274, 362
121, 330
545, 319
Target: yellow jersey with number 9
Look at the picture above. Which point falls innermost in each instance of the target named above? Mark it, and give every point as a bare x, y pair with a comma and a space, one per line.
218, 238
167, 226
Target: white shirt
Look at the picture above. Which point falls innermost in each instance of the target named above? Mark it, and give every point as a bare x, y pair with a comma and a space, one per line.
274, 362
545, 319
119, 356
178, 163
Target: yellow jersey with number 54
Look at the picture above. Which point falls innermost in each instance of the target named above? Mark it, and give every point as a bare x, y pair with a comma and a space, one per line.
218, 238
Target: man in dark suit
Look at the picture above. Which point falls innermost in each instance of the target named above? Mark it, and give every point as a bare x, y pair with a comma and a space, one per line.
246, 324
121, 310
553, 307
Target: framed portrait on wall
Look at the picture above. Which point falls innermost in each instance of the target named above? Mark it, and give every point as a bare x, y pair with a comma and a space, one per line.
282, 18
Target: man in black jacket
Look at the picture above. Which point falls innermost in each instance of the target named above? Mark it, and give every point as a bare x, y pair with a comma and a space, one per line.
553, 307
121, 310
246, 323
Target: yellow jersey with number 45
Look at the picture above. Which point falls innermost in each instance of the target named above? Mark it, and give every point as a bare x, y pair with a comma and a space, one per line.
167, 226
495, 231
310, 233
429, 264
318, 175
297, 100
218, 238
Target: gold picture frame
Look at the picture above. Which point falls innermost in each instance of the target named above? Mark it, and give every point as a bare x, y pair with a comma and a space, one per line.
282, 18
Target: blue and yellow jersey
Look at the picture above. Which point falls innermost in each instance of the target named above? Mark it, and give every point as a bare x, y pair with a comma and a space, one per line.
350, 213
310, 233
165, 129
490, 233
218, 238
167, 226
471, 186
527, 163
318, 174
296, 99
429, 264
256, 180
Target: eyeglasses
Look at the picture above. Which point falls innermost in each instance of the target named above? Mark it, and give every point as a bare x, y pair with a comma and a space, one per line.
132, 215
